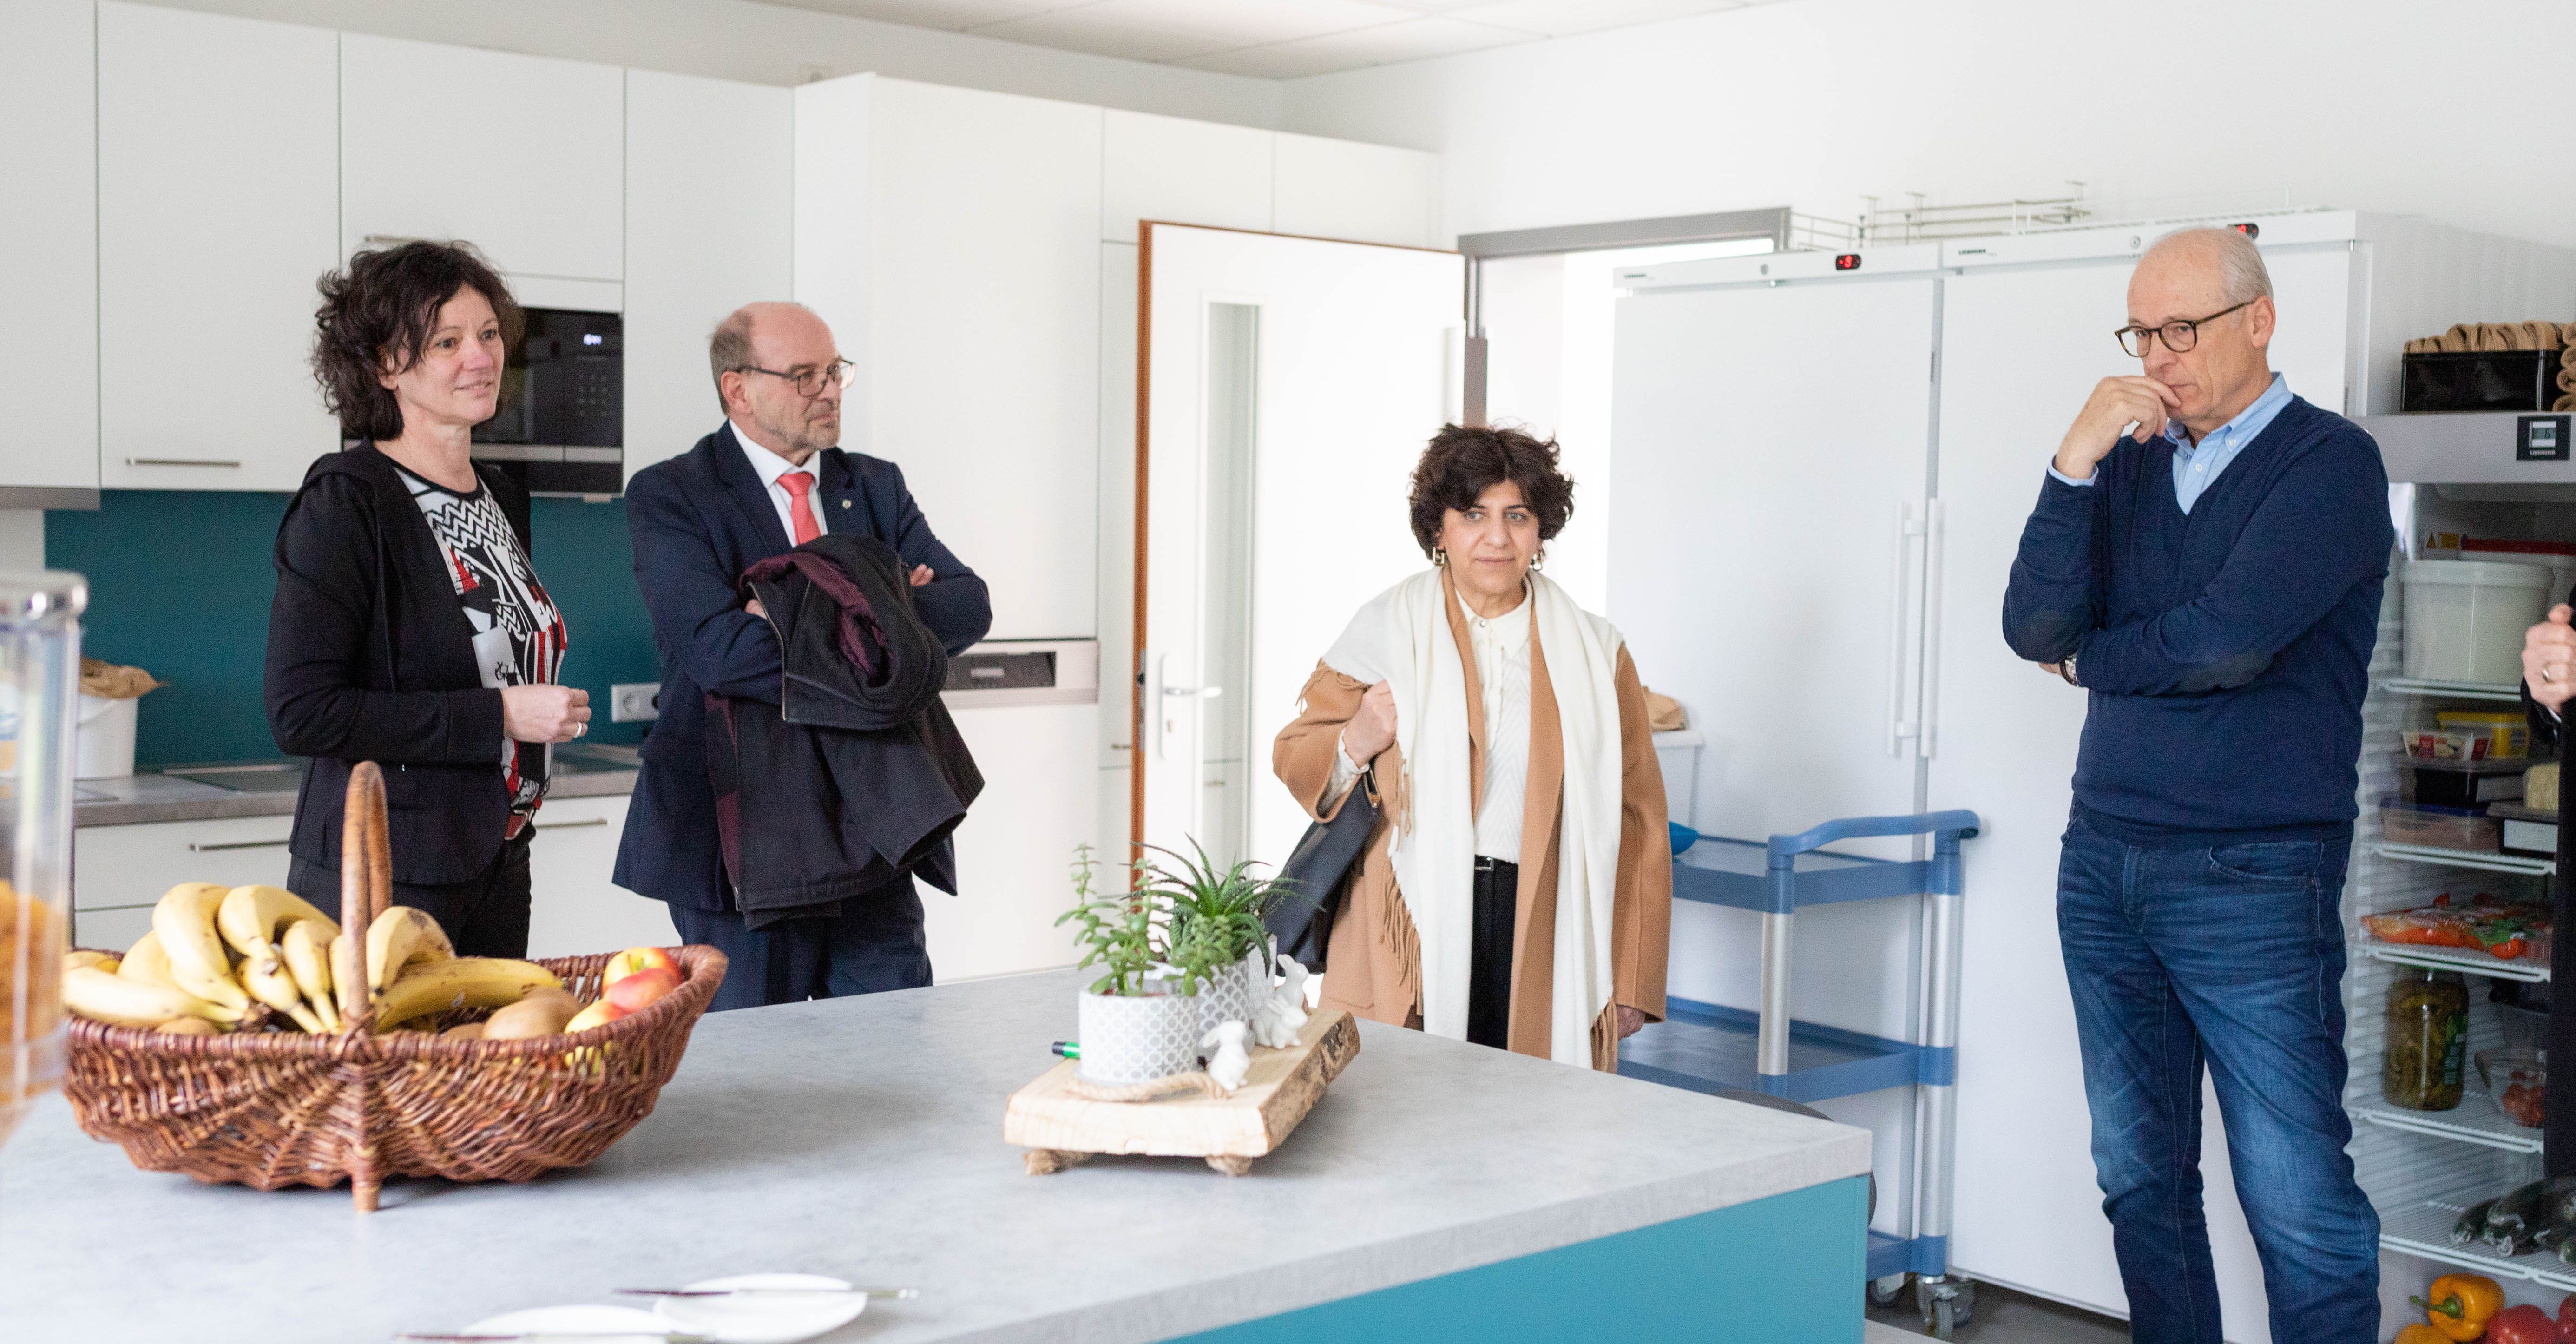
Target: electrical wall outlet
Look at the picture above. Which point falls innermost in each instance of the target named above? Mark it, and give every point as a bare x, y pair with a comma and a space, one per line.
634, 701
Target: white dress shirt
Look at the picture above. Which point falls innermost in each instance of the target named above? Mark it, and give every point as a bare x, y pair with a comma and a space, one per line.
770, 466
1501, 646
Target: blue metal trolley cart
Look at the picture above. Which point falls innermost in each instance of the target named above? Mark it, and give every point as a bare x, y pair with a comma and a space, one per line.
1708, 1048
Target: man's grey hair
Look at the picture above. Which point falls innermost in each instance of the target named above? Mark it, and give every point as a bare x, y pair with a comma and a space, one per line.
729, 351
2241, 272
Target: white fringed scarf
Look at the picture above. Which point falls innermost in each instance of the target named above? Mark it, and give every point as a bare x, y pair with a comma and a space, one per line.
1402, 637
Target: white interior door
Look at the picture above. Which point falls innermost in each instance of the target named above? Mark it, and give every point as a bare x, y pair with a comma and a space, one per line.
2021, 349
1289, 386
1772, 447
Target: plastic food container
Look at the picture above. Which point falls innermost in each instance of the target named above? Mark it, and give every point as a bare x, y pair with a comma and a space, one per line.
2465, 618
2405, 823
2459, 783
2558, 557
2519, 1082
2503, 735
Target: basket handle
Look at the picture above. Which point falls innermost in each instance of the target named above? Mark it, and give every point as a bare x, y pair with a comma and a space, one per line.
366, 881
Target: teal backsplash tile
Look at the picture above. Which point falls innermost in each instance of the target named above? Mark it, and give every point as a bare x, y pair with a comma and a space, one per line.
180, 582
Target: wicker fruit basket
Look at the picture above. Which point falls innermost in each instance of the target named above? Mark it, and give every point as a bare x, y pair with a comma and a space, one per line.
274, 1109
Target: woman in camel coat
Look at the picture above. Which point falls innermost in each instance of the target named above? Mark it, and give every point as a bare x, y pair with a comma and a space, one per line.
1517, 890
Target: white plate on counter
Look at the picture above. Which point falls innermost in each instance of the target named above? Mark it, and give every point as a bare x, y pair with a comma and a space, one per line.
762, 1318
606, 1323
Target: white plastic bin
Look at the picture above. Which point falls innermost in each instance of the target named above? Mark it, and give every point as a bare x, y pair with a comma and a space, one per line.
105, 745
2465, 618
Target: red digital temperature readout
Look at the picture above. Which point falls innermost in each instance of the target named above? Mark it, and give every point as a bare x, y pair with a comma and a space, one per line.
1847, 261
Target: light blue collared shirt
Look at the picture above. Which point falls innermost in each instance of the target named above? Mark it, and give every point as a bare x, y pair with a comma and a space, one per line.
2195, 466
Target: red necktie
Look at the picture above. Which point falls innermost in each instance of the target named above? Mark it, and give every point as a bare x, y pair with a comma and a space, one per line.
799, 508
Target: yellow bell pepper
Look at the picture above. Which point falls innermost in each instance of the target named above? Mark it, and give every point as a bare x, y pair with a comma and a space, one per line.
2459, 1305
2420, 1333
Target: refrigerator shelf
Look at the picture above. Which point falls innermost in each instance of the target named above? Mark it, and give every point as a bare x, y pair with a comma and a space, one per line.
2423, 1227
2453, 959
2484, 860
2457, 690
2477, 1119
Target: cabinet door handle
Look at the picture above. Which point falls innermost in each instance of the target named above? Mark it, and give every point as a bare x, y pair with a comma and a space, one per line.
202, 847
181, 462
569, 825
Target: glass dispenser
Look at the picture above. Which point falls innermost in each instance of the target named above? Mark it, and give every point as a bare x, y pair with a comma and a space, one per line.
39, 693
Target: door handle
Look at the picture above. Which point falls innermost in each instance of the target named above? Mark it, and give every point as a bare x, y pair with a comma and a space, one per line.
1192, 692
570, 825
1900, 729
203, 847
1935, 540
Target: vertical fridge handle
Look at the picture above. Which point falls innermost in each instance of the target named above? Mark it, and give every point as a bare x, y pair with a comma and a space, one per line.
1935, 540
1899, 727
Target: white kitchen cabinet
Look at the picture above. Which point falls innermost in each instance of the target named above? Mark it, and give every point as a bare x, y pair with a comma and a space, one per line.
218, 206
575, 910
1181, 172
983, 234
49, 230
710, 199
521, 156
1015, 849
1359, 193
120, 872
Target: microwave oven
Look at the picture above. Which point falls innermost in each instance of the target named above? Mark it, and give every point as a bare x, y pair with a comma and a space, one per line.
560, 428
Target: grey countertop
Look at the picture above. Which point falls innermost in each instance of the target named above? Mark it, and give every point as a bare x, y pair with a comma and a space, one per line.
861, 1138
267, 788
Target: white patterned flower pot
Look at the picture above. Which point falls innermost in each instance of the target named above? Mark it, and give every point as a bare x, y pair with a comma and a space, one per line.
1227, 998
1137, 1038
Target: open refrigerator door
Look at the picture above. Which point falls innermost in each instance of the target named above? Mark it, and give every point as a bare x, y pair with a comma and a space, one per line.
39, 692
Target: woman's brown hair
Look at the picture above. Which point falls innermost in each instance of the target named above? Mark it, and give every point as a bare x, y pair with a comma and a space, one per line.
380, 310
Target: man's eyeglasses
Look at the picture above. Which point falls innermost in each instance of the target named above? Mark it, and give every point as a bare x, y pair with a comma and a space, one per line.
809, 382
2178, 336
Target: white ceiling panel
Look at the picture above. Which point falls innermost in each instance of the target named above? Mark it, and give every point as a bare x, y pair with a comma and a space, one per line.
1070, 30
1244, 23
1409, 40
1272, 39
953, 15
1559, 18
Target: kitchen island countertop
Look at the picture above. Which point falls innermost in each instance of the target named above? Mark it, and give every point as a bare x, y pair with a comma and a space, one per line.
267, 788
861, 1138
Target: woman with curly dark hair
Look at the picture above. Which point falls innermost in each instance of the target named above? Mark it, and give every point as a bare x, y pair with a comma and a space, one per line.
409, 628
1517, 890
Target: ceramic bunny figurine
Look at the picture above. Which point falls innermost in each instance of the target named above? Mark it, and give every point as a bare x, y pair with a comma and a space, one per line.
1277, 1019
1231, 1060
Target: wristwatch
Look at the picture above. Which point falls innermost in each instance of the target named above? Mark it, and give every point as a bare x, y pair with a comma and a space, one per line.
2066, 669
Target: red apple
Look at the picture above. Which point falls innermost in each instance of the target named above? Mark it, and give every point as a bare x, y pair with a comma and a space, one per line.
631, 993
635, 959
599, 1013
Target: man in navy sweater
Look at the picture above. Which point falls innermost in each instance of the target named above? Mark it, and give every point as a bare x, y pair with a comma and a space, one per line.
2206, 563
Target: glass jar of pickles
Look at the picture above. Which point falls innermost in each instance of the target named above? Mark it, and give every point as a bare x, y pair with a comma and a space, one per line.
2428, 1039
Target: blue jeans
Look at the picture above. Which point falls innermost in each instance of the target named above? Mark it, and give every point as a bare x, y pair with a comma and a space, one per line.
2232, 957
875, 944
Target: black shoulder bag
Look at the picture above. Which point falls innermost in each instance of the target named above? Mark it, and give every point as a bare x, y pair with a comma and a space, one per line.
1315, 874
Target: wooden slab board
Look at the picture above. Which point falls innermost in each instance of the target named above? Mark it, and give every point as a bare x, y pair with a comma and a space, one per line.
1278, 1091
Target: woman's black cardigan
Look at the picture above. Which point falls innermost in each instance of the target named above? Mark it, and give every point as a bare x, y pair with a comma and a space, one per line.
370, 658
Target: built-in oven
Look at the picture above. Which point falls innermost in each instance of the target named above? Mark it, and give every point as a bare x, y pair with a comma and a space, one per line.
563, 404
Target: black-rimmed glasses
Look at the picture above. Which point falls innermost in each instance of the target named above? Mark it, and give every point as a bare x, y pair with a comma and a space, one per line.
2178, 336
809, 382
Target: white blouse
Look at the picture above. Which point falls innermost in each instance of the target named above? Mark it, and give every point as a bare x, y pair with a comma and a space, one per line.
1501, 646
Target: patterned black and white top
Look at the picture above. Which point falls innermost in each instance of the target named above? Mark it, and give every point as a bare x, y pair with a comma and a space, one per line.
518, 633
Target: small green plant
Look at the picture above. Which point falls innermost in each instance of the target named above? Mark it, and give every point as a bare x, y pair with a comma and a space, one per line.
1118, 932
1219, 911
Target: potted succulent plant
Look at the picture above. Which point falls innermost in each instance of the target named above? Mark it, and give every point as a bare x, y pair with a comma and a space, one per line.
1217, 937
1137, 1022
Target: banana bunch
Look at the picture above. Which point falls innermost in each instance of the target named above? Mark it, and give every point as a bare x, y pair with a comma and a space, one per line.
216, 953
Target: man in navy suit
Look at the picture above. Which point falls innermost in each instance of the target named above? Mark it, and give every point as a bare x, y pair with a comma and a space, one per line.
768, 479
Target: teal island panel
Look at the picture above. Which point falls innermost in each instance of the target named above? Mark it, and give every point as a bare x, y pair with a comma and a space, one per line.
1782, 1270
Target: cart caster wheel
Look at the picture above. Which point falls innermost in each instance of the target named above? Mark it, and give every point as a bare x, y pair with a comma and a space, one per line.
1965, 1302
1884, 1292
1945, 1317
